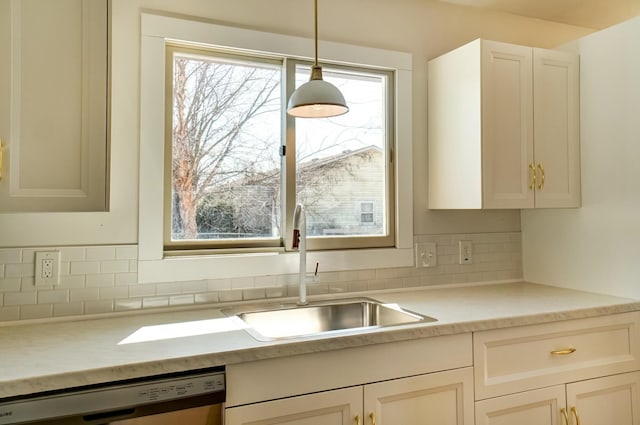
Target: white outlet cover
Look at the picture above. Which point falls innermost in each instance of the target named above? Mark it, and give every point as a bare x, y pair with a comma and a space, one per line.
41, 278
426, 254
466, 252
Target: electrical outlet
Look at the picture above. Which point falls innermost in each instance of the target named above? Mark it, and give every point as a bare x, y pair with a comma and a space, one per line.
47, 268
426, 254
466, 252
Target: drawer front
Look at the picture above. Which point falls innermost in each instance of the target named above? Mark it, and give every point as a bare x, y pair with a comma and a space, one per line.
528, 357
270, 379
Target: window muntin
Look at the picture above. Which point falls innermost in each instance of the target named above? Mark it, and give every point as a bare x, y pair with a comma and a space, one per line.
242, 208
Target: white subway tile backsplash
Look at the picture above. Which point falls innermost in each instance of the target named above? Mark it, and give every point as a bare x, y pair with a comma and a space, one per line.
97, 307
19, 270
233, 295
10, 285
126, 278
53, 296
101, 253
114, 266
168, 288
10, 256
193, 287
73, 254
209, 297
181, 299
114, 292
242, 283
68, 309
128, 304
76, 281
84, 294
84, 267
99, 280
142, 290
36, 311
102, 279
9, 313
19, 298
129, 252
219, 284
254, 294
155, 302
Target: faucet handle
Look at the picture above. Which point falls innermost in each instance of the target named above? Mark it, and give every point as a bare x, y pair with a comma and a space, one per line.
296, 239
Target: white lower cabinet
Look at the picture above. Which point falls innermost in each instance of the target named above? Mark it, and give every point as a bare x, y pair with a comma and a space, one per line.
574, 372
336, 407
444, 398
601, 401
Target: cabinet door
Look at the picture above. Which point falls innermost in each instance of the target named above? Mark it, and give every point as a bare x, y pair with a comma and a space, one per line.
606, 401
536, 407
556, 115
53, 105
444, 398
337, 407
507, 125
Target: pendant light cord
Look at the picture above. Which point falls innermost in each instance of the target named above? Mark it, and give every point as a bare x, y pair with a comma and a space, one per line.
315, 14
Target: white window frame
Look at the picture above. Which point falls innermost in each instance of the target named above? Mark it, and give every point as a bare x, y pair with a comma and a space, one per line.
153, 265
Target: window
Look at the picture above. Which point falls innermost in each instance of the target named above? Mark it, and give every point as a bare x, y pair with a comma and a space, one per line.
156, 262
224, 170
366, 212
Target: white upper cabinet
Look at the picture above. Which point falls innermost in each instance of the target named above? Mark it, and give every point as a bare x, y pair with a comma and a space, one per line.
503, 128
53, 105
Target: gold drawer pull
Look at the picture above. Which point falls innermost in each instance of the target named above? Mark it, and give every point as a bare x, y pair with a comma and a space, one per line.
357, 419
575, 414
532, 176
565, 416
372, 416
563, 352
541, 183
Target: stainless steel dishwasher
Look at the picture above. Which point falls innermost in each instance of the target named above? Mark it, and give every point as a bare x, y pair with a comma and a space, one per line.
194, 398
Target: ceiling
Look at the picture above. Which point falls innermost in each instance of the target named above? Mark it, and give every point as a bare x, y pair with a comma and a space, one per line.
597, 14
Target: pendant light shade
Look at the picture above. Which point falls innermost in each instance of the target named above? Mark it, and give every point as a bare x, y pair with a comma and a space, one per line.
316, 98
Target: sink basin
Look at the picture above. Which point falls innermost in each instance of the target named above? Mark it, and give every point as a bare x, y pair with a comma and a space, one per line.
281, 321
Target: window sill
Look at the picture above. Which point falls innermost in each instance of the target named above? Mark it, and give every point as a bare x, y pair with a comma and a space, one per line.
171, 269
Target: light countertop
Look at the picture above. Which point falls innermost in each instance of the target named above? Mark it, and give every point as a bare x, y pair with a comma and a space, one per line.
37, 357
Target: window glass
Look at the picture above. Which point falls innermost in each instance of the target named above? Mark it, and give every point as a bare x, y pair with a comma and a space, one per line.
225, 136
225, 172
342, 161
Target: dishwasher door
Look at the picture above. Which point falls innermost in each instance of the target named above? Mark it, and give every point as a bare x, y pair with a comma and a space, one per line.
184, 399
203, 415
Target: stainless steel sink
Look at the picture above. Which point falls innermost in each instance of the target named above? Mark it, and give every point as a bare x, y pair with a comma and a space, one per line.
267, 322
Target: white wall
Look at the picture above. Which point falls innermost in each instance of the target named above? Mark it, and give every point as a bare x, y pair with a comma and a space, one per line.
424, 28
596, 248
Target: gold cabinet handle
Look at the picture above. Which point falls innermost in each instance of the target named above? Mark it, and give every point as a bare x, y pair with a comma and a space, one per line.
372, 416
532, 176
565, 416
563, 352
357, 419
541, 183
575, 414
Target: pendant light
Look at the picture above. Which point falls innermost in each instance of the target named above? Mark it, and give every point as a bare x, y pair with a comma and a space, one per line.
316, 98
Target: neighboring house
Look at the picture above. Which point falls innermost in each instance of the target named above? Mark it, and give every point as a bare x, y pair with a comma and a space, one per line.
343, 194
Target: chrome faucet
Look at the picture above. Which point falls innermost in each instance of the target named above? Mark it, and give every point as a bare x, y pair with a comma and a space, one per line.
300, 243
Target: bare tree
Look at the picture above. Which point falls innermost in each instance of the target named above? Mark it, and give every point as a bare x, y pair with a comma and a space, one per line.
213, 104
